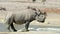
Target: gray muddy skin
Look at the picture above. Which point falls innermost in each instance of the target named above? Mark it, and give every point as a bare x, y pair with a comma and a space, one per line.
25, 17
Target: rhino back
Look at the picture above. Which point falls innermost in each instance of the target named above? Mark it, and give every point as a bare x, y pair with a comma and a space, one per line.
23, 15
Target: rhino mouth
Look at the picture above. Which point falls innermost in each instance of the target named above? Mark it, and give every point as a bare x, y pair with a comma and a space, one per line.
41, 21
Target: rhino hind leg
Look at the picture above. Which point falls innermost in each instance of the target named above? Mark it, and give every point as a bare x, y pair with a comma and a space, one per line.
9, 21
9, 28
10, 24
13, 28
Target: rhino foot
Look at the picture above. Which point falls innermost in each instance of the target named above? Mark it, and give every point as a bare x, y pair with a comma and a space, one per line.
24, 30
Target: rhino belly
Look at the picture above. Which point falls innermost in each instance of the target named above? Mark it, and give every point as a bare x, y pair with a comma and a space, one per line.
19, 22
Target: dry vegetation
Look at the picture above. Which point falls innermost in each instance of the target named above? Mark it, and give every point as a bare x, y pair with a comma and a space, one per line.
51, 10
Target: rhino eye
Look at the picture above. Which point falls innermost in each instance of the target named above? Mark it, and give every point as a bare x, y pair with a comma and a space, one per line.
38, 14
42, 16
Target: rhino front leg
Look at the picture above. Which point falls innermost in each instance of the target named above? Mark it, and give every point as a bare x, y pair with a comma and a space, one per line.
26, 27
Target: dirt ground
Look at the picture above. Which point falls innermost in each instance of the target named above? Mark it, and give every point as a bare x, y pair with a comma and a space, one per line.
29, 32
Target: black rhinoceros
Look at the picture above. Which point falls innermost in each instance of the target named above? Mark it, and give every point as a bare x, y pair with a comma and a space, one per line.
25, 17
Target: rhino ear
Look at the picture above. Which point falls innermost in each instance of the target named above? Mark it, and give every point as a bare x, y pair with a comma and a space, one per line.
45, 13
38, 12
34, 9
28, 7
